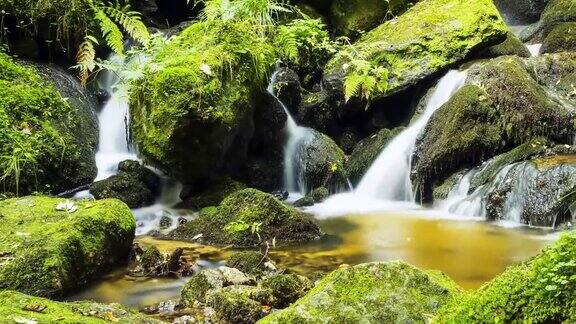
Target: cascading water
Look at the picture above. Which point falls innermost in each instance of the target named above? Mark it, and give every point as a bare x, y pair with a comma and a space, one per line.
387, 184
294, 180
113, 120
389, 176
534, 49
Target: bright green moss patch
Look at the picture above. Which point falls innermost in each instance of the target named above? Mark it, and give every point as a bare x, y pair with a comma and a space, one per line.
16, 307
429, 37
40, 149
542, 290
392, 292
247, 217
46, 252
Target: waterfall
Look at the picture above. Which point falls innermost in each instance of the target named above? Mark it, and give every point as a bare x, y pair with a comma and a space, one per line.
534, 49
389, 176
113, 120
294, 180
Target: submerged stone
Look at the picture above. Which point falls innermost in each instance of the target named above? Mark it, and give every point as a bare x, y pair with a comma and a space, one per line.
248, 217
377, 292
540, 290
16, 307
50, 250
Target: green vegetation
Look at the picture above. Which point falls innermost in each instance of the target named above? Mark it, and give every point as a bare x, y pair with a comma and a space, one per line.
50, 250
40, 149
390, 292
416, 45
235, 220
562, 38
19, 308
537, 291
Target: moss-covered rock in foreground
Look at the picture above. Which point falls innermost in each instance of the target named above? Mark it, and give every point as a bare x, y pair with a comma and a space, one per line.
248, 217
47, 143
510, 46
50, 253
193, 117
322, 163
561, 38
431, 36
542, 290
16, 307
392, 292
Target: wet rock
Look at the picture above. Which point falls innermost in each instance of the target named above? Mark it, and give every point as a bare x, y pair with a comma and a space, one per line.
373, 292
234, 276
287, 88
135, 185
56, 252
250, 262
199, 284
537, 290
510, 46
317, 195
20, 308
366, 152
280, 195
419, 44
247, 218
521, 12
286, 288
212, 195
234, 307
562, 38
165, 222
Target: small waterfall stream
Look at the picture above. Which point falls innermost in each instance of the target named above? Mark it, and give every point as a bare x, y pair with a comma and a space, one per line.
294, 180
387, 184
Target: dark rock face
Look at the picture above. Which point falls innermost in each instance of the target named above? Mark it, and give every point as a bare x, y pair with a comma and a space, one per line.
562, 38
212, 195
511, 46
501, 106
135, 185
521, 12
287, 88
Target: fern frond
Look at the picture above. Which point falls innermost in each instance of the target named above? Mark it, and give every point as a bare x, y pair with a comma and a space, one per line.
352, 85
130, 21
85, 58
110, 31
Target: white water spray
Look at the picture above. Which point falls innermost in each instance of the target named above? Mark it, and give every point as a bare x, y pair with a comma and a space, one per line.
294, 180
534, 49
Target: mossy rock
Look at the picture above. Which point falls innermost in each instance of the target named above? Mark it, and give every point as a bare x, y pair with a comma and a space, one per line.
501, 106
193, 118
248, 217
562, 38
47, 144
556, 72
286, 288
510, 46
250, 262
234, 307
322, 163
521, 12
213, 195
352, 18
199, 285
420, 43
16, 307
558, 11
541, 290
52, 253
151, 257
391, 292
317, 195
366, 152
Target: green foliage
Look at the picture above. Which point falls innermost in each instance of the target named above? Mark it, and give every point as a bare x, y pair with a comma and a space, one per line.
261, 13
364, 80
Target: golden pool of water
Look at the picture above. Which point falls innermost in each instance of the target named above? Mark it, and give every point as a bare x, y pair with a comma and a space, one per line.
470, 252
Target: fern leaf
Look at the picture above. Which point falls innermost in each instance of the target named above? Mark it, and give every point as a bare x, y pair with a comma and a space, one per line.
129, 21
112, 34
352, 85
85, 58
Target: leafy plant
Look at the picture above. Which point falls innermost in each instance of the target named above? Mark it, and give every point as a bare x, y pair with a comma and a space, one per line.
241, 226
364, 80
11, 166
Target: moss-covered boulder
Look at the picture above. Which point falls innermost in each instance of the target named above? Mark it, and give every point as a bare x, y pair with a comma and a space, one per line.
366, 152
199, 285
135, 185
246, 218
212, 195
557, 73
322, 163
561, 38
372, 293
16, 307
501, 106
193, 117
352, 18
286, 288
558, 11
51, 249
541, 290
510, 46
431, 36
250, 262
47, 142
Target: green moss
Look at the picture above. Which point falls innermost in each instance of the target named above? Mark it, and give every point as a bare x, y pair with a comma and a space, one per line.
429, 37
190, 113
213, 195
390, 292
562, 38
286, 288
366, 152
558, 11
251, 262
235, 220
511, 46
19, 308
235, 307
323, 163
541, 290
199, 285
40, 149
52, 253
151, 257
